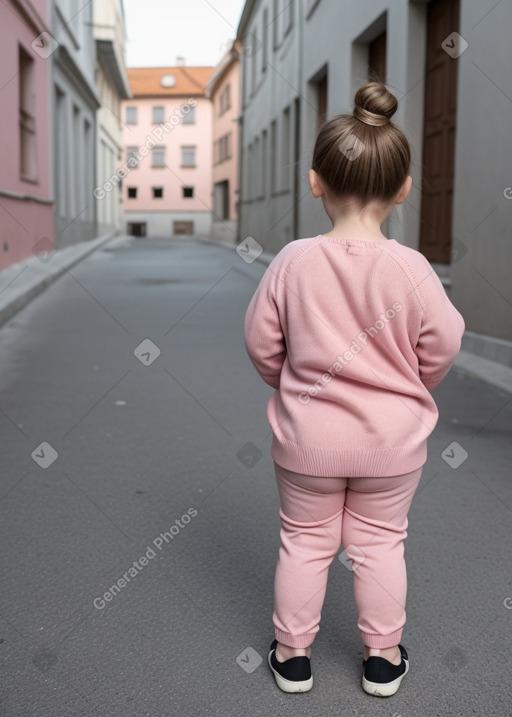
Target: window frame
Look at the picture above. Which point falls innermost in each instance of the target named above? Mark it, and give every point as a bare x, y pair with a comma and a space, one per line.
189, 117
158, 121
136, 112
27, 117
188, 148
159, 148
132, 150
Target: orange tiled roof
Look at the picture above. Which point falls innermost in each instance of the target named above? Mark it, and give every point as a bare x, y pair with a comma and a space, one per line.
146, 81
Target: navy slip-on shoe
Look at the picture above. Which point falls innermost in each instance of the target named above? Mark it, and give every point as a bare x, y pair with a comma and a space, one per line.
293, 675
381, 678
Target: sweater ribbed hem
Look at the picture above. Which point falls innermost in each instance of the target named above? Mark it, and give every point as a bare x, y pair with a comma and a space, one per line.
309, 460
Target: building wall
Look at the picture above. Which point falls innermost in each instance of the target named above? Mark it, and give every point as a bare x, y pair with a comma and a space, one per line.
225, 123
344, 52
109, 32
75, 103
477, 277
480, 273
173, 176
26, 211
271, 76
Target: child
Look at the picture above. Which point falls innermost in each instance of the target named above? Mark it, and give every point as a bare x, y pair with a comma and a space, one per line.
353, 330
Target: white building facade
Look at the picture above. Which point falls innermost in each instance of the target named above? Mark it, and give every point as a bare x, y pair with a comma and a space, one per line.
112, 87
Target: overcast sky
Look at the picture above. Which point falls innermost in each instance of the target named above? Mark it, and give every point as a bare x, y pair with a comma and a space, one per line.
160, 30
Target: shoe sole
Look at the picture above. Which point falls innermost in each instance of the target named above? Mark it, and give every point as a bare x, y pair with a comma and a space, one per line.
386, 689
290, 685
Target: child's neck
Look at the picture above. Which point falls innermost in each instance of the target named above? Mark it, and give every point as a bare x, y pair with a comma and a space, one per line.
349, 221
354, 228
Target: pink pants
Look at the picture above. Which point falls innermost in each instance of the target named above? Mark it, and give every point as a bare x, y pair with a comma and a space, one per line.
368, 516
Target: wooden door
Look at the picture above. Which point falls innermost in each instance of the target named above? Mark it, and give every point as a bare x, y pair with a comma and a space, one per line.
439, 133
377, 59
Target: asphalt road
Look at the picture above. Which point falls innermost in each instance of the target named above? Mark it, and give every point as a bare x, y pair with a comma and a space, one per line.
139, 543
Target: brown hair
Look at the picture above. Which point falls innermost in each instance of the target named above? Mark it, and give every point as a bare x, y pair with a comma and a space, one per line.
364, 155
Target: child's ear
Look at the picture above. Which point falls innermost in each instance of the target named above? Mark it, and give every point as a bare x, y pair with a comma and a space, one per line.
314, 184
404, 191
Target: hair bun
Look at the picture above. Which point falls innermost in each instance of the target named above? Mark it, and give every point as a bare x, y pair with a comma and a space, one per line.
374, 104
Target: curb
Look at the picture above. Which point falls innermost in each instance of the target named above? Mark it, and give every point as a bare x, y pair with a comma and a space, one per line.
35, 274
492, 372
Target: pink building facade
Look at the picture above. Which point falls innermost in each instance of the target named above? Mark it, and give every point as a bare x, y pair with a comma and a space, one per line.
26, 197
167, 137
224, 92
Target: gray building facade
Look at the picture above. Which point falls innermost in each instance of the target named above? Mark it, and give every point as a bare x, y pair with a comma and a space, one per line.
75, 103
446, 61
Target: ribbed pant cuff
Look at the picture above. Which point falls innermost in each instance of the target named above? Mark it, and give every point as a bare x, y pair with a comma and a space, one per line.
294, 640
382, 641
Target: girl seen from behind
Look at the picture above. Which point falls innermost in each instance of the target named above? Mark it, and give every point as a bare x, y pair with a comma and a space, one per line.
353, 331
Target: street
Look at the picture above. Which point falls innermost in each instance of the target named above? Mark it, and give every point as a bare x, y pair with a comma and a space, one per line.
139, 512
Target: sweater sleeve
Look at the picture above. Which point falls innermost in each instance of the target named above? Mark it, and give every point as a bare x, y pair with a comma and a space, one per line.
441, 332
263, 335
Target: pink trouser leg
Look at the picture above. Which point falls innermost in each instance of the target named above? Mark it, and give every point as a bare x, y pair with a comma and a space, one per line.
370, 515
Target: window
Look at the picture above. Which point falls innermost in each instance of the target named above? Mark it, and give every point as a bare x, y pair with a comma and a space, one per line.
158, 192
132, 192
189, 114
321, 98
273, 155
61, 139
182, 228
76, 134
188, 156
285, 149
27, 118
158, 154
222, 148
264, 57
263, 173
221, 200
254, 59
256, 168
276, 23
288, 17
132, 159
188, 192
131, 115
158, 115
377, 59
225, 99
250, 172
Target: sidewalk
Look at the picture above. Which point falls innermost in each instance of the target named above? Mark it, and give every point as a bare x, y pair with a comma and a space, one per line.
22, 282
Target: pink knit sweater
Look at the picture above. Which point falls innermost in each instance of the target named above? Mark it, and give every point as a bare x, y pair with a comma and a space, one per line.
353, 335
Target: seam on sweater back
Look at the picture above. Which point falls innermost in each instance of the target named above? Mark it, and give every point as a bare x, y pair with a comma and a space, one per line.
314, 241
392, 253
409, 273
